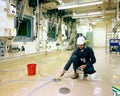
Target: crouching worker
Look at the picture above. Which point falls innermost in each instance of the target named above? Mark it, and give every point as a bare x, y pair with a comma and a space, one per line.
82, 57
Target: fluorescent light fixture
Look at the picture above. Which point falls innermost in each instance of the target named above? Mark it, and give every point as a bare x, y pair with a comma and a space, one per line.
91, 14
95, 13
60, 1
67, 6
77, 4
76, 17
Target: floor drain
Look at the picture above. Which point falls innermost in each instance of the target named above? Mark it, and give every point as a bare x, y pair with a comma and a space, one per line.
56, 80
64, 90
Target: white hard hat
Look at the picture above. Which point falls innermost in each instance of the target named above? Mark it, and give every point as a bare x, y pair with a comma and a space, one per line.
80, 40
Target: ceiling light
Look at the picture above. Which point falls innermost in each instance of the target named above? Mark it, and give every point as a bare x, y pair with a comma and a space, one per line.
77, 4
75, 17
60, 1
90, 14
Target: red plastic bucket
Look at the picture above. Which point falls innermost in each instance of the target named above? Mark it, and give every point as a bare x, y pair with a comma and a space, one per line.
31, 69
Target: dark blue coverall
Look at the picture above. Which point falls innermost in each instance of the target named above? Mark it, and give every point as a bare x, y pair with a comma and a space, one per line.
82, 56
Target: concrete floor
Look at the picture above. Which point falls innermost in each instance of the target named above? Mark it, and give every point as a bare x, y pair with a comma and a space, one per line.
14, 79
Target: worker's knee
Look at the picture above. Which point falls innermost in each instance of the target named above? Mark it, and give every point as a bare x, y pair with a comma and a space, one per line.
90, 70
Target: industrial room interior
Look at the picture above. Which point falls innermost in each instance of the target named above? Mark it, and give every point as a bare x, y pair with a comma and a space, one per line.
43, 33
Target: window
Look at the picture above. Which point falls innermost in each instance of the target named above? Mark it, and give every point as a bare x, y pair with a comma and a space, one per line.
24, 28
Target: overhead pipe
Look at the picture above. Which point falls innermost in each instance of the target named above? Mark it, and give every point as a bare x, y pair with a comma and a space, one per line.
20, 16
117, 11
109, 4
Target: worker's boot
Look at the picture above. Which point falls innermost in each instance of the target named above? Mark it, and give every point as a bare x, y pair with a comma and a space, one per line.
63, 72
74, 76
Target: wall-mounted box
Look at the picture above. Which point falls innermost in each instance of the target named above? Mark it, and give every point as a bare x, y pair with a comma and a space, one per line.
11, 10
9, 32
6, 32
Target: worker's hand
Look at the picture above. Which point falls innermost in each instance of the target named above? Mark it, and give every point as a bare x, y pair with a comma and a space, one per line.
63, 72
83, 66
